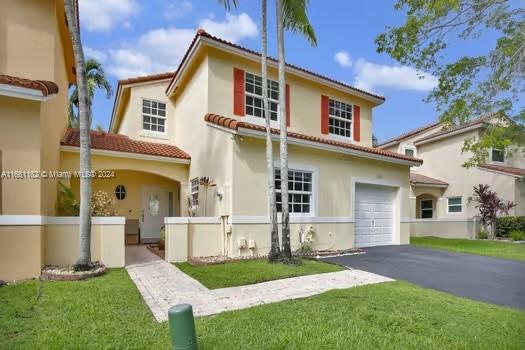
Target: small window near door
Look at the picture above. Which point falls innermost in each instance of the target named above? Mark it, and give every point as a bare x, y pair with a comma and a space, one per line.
194, 192
454, 204
120, 192
498, 155
427, 210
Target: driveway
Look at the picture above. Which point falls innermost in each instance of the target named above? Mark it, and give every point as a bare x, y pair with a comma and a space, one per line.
487, 279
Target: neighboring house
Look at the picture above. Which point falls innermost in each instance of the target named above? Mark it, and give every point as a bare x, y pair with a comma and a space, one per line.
442, 189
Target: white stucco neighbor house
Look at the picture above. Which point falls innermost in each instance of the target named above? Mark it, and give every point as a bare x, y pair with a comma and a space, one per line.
442, 189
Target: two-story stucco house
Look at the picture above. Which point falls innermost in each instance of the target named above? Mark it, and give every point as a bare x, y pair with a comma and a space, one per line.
205, 120
442, 189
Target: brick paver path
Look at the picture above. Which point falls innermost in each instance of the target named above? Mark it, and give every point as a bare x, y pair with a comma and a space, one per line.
163, 285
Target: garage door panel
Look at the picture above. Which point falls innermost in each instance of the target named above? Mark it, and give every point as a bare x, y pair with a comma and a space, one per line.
374, 213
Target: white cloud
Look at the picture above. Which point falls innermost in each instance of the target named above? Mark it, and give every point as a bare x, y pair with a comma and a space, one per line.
96, 54
176, 10
343, 58
102, 15
370, 76
161, 49
235, 28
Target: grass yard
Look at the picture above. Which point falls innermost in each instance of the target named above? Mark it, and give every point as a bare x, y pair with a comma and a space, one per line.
240, 273
108, 312
503, 250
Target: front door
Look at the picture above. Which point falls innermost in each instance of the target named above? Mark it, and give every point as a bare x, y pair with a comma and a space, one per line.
154, 209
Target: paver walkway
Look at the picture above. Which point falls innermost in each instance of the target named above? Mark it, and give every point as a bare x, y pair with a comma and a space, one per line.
163, 285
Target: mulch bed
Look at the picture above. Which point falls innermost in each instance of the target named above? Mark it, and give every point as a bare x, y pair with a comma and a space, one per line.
68, 273
154, 248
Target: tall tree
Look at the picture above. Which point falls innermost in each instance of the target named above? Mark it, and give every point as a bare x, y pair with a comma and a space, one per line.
84, 260
292, 15
96, 79
472, 85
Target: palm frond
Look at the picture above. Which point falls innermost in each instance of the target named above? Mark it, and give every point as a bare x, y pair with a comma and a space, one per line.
228, 4
295, 16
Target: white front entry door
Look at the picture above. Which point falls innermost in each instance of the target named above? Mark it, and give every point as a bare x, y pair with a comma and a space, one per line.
154, 209
374, 215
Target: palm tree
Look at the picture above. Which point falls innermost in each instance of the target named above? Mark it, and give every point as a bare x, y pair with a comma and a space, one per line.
96, 79
84, 260
292, 15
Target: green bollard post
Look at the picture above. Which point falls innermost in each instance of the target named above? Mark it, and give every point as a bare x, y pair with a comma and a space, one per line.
182, 327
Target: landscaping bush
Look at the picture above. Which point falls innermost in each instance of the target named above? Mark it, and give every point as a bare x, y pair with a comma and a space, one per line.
483, 235
517, 236
102, 204
506, 224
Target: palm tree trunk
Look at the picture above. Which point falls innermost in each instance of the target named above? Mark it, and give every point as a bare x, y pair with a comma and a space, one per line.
84, 260
287, 252
275, 251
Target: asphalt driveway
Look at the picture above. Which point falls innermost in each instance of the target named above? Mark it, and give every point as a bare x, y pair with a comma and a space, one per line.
487, 279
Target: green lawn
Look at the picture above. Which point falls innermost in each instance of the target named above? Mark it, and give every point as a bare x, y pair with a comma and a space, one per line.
240, 273
505, 250
108, 313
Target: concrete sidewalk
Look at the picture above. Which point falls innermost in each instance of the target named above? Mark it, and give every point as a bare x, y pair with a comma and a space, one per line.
163, 285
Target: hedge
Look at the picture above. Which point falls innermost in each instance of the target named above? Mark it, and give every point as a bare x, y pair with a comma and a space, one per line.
506, 224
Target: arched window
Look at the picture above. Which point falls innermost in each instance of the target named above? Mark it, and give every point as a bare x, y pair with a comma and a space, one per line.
120, 192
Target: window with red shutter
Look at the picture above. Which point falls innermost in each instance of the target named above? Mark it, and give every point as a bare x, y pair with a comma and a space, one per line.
238, 92
357, 123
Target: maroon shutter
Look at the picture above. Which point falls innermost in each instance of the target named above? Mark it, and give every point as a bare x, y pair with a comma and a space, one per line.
357, 123
238, 92
287, 105
324, 114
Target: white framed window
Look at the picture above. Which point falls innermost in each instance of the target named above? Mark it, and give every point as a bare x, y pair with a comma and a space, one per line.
497, 155
409, 151
253, 96
427, 209
153, 116
454, 205
340, 118
300, 191
194, 192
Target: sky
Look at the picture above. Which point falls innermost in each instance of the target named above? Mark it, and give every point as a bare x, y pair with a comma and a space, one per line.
132, 38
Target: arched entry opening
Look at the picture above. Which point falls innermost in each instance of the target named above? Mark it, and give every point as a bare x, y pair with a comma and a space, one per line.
426, 206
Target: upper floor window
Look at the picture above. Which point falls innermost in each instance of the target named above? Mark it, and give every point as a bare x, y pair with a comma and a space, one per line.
153, 116
497, 155
300, 191
409, 151
194, 192
454, 205
254, 101
340, 118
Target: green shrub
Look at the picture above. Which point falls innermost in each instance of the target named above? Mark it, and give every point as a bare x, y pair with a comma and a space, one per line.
483, 235
506, 224
517, 236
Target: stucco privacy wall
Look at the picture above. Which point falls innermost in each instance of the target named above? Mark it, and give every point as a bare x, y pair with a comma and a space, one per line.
27, 242
305, 95
466, 228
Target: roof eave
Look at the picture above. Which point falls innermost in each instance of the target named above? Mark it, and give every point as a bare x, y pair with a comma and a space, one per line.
449, 134
129, 155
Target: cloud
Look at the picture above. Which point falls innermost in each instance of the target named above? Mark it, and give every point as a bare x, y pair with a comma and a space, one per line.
102, 15
176, 10
370, 76
235, 28
96, 54
343, 58
160, 50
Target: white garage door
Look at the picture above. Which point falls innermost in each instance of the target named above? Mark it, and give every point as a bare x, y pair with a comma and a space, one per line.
374, 215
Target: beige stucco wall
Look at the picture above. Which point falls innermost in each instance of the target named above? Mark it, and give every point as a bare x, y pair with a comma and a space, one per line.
21, 251
305, 95
445, 228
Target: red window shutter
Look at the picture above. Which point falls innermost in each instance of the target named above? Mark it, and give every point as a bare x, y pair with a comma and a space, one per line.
287, 105
357, 123
324, 114
238, 92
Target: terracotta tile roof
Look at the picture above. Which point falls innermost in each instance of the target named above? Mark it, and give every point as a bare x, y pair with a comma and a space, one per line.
145, 78
419, 179
44, 86
122, 143
504, 169
235, 124
203, 33
408, 134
